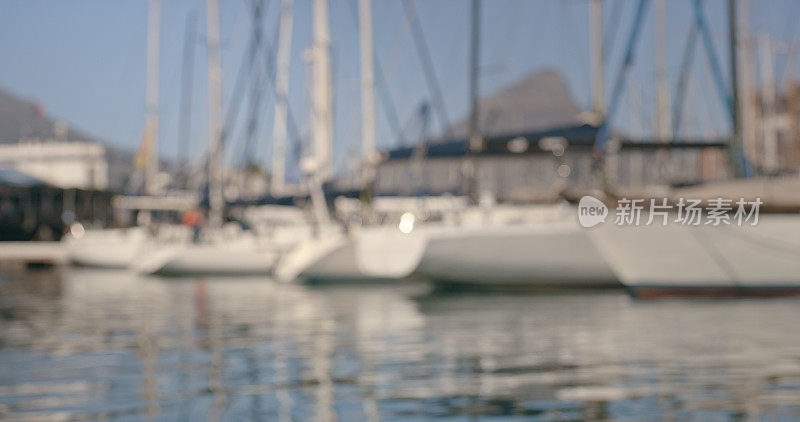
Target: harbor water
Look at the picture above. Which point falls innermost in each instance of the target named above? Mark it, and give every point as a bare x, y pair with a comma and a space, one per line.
91, 344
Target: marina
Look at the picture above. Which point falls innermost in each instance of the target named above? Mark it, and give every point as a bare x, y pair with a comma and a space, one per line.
401, 210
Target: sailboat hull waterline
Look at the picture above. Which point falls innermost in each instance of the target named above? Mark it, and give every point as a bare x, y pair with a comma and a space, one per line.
687, 260
553, 254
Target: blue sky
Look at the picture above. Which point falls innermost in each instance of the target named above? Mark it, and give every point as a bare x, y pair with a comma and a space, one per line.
84, 60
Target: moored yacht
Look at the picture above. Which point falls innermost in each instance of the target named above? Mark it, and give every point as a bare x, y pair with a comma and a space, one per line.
229, 251
216, 248
389, 250
680, 260
117, 247
105, 248
742, 257
516, 246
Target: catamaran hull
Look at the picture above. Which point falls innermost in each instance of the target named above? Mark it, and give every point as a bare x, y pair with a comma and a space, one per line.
686, 260
534, 255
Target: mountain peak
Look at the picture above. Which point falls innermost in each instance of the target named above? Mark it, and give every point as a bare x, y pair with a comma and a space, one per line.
537, 101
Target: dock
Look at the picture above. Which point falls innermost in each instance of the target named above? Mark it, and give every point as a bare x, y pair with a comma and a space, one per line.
32, 253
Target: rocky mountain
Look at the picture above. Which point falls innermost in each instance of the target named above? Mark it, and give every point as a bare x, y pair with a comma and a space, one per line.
540, 100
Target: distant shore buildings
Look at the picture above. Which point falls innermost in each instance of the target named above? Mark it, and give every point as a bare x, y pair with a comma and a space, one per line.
66, 165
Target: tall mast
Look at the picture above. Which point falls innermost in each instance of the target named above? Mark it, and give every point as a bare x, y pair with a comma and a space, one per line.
282, 94
662, 100
747, 62
367, 80
215, 198
322, 97
187, 82
736, 141
770, 158
598, 93
151, 126
475, 142
256, 80
474, 58
320, 168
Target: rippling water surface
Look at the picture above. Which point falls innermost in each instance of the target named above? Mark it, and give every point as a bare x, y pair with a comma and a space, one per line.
81, 344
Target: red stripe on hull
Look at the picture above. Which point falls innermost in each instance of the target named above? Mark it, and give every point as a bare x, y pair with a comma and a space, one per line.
656, 292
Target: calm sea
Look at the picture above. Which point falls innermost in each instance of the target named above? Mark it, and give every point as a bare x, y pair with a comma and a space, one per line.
81, 344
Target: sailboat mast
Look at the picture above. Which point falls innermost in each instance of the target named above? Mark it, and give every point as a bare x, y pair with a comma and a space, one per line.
151, 163
475, 141
215, 198
322, 96
282, 94
769, 161
662, 100
367, 80
736, 142
187, 84
598, 94
321, 111
747, 62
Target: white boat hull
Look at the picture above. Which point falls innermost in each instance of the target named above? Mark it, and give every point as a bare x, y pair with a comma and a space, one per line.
243, 256
547, 254
683, 260
321, 259
108, 248
369, 254
214, 260
386, 252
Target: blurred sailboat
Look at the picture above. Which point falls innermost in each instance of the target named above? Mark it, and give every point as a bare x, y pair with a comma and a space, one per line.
387, 251
329, 251
705, 256
227, 251
116, 248
513, 246
217, 249
679, 259
495, 244
355, 252
107, 248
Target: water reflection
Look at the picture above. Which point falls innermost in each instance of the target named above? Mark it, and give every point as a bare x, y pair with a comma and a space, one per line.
83, 344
